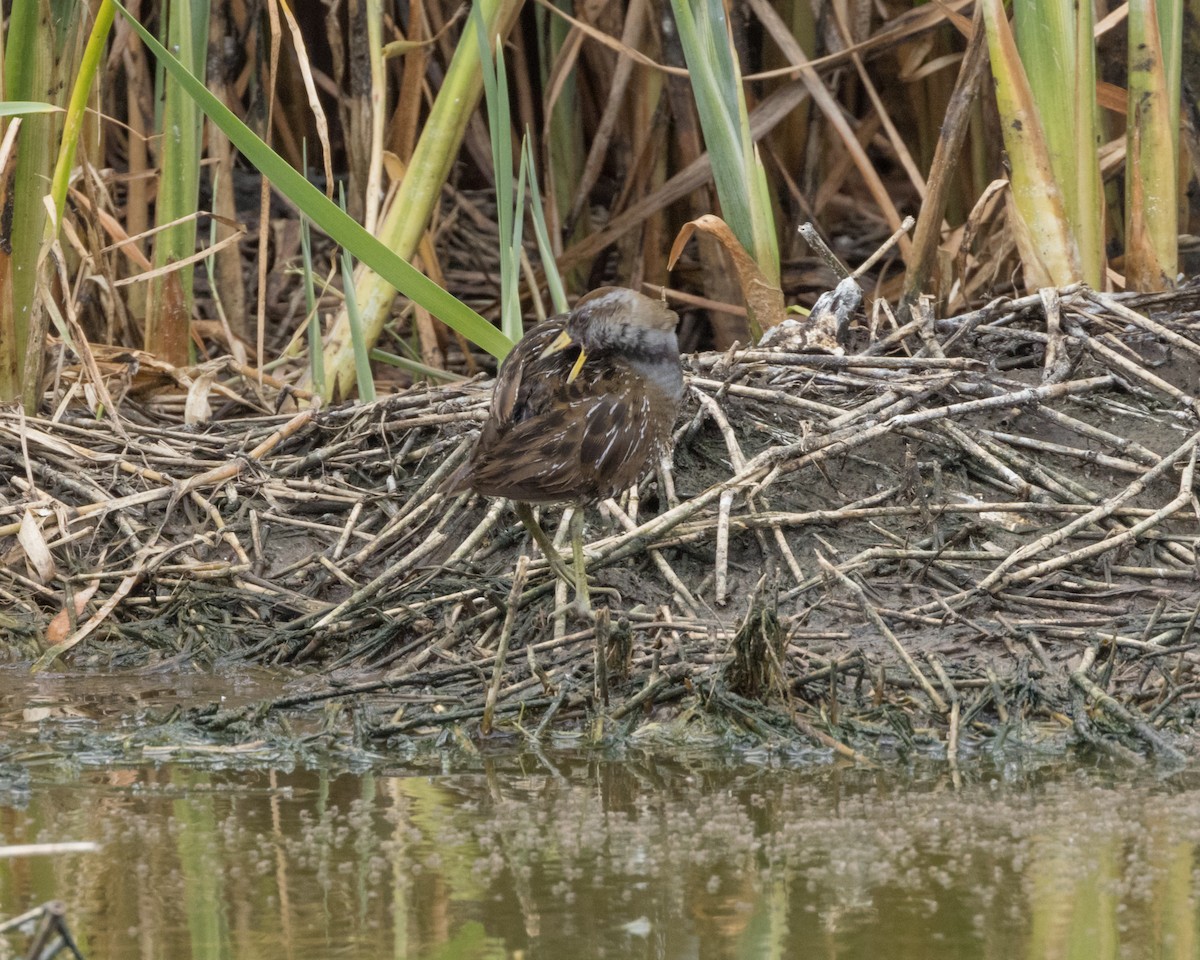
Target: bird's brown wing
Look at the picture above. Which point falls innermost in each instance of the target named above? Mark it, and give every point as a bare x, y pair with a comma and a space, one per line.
519, 392
518, 395
617, 437
548, 440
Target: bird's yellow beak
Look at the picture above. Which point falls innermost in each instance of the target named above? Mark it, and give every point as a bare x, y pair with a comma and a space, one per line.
560, 343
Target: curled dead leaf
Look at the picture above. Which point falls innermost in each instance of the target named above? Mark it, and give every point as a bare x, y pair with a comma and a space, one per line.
41, 561
197, 408
764, 300
60, 626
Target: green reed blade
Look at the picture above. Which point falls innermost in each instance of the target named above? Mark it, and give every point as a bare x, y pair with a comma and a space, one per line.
365, 247
721, 104
558, 296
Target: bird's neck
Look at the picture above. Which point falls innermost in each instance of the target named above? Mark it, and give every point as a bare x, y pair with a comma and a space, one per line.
634, 343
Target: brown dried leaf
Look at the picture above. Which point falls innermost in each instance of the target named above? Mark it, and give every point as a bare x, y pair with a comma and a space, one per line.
764, 300
197, 409
36, 551
60, 626
55, 650
172, 345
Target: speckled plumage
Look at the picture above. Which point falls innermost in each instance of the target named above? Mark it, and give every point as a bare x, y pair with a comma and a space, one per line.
550, 439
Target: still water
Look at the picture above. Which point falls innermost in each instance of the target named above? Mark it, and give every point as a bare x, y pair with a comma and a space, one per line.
210, 852
561, 856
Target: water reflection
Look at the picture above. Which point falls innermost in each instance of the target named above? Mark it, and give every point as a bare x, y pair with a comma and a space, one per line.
528, 857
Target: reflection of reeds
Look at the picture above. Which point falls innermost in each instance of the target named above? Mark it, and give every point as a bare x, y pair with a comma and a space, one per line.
1173, 899
205, 897
1073, 905
562, 854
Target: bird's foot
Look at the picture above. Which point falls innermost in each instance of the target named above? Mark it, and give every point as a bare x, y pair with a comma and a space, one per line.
609, 592
581, 609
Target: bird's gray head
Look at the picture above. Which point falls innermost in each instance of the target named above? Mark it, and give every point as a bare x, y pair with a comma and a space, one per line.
624, 321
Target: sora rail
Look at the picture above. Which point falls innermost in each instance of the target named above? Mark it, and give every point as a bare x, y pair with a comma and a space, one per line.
583, 403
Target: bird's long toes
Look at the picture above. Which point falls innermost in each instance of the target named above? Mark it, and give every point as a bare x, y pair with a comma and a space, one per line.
609, 592
578, 610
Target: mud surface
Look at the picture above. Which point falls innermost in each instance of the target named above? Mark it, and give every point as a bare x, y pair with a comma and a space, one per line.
957, 536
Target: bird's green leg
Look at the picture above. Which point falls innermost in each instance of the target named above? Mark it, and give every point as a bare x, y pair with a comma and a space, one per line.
561, 570
577, 578
583, 600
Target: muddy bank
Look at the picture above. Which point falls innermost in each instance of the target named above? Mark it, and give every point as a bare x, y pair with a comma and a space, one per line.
968, 532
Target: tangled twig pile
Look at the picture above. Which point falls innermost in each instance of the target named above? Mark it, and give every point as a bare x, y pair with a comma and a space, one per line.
972, 530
